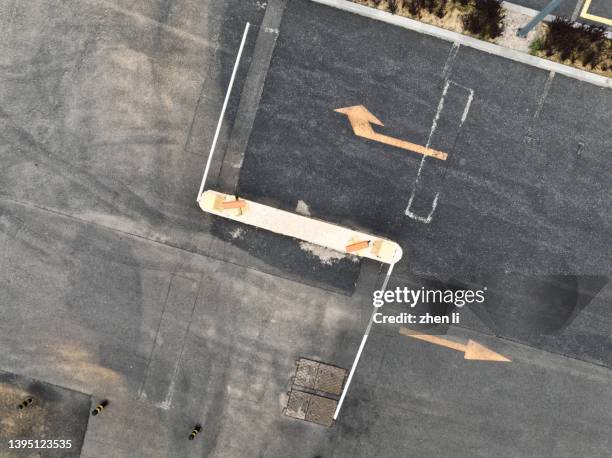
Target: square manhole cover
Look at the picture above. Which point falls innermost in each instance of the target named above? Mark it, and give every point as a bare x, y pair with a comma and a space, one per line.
320, 377
321, 410
330, 379
306, 373
310, 407
297, 405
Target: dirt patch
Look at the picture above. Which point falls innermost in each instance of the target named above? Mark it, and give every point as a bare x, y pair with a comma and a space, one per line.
53, 413
302, 208
325, 255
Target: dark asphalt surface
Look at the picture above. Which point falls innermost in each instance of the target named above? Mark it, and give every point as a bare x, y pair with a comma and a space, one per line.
523, 195
598, 7
525, 186
114, 284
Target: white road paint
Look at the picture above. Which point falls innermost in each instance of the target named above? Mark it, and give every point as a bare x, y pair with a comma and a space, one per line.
434, 125
167, 403
543, 96
450, 60
577, 9
466, 110
361, 347
222, 115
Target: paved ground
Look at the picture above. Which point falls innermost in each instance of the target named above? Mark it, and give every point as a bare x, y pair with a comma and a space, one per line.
114, 284
568, 8
523, 190
54, 414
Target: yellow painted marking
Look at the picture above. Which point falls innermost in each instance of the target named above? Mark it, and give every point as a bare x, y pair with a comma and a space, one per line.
472, 350
357, 246
361, 121
586, 15
233, 204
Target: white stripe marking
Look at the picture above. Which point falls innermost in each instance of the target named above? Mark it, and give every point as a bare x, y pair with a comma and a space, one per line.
225, 102
427, 219
361, 347
467, 107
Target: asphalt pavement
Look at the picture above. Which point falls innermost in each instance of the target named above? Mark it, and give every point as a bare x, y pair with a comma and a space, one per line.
114, 284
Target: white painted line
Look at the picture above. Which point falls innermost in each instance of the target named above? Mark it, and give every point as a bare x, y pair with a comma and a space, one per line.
225, 102
427, 219
450, 60
361, 347
544, 95
485, 46
434, 125
350, 377
576, 12
466, 110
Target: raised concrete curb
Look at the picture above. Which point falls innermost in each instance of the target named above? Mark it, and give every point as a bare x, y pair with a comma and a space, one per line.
465, 40
300, 227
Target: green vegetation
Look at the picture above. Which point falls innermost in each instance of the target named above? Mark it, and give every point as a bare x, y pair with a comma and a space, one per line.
416, 7
485, 19
573, 41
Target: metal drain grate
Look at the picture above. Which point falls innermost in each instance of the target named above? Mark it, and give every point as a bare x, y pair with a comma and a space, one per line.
315, 391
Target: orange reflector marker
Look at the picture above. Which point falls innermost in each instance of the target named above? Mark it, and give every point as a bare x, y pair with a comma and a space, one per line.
357, 246
233, 204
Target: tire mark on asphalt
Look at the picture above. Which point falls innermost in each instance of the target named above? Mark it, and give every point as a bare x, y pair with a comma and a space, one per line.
117, 197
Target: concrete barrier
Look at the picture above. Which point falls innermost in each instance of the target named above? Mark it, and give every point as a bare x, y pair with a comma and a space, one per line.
332, 236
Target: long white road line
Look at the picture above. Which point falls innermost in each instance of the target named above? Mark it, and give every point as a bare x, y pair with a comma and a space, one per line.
361, 346
225, 102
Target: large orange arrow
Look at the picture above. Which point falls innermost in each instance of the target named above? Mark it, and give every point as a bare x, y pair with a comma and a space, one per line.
361, 120
472, 350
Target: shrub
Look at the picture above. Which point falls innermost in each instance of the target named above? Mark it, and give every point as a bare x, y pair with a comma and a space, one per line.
536, 45
416, 7
574, 41
393, 5
485, 18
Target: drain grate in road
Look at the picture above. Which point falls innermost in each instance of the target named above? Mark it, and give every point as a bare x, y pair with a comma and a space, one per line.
315, 391
330, 379
310, 407
322, 378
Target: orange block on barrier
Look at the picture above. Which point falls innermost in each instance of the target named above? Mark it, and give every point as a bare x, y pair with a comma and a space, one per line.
357, 246
233, 204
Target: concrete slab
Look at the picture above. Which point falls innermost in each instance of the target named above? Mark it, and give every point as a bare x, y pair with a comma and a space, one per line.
113, 284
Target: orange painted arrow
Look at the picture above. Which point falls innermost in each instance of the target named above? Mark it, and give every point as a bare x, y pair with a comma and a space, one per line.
361, 121
472, 350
